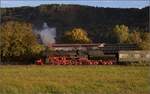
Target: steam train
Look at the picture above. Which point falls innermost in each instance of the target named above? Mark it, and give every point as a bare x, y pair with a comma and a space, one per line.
89, 54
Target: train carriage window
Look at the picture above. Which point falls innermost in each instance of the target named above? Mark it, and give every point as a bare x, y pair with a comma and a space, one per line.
148, 56
137, 55
123, 55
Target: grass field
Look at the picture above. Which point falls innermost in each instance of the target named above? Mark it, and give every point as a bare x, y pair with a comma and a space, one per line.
74, 80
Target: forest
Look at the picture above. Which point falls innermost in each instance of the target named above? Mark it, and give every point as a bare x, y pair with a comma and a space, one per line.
97, 21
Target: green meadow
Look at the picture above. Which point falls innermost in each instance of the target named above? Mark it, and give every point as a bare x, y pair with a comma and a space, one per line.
113, 79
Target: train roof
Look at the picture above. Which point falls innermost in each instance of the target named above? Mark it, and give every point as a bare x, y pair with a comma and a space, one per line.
95, 52
62, 53
91, 45
73, 45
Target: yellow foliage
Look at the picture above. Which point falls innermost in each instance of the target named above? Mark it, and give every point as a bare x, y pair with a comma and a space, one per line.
77, 35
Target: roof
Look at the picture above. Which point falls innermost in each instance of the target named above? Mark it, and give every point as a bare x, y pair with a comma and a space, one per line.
62, 53
95, 52
101, 46
73, 45
92, 44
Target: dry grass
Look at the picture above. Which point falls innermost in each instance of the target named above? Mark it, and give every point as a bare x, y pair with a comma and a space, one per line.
74, 80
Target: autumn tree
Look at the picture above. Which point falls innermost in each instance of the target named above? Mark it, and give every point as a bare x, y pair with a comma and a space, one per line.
134, 37
18, 40
77, 35
121, 33
142, 39
145, 44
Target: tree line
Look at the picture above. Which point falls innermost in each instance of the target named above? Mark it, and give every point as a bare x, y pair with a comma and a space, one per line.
98, 22
19, 43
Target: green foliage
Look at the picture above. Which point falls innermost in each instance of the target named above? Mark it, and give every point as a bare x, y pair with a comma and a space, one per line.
121, 32
77, 35
17, 39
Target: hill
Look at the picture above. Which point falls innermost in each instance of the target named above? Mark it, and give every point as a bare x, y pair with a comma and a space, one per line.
97, 21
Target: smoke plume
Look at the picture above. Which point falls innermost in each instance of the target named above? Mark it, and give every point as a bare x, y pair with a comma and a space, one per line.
47, 34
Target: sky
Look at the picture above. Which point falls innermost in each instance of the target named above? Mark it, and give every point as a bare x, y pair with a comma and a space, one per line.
95, 3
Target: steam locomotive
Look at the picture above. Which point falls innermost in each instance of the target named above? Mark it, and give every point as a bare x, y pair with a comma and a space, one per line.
89, 54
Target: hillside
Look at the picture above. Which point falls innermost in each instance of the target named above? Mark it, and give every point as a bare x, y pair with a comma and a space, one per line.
97, 21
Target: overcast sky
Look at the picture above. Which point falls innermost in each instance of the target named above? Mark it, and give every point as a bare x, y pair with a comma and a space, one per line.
98, 3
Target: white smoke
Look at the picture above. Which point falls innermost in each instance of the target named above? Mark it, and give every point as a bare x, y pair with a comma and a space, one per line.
47, 34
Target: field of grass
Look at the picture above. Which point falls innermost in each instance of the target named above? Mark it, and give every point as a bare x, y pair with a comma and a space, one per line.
74, 79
